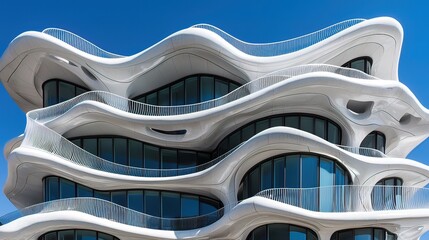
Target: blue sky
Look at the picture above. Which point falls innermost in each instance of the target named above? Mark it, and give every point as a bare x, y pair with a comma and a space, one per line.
127, 27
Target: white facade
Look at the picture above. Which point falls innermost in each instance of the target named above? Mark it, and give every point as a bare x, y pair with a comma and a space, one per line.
302, 79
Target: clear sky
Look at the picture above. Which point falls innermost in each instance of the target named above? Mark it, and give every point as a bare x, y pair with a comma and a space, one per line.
128, 27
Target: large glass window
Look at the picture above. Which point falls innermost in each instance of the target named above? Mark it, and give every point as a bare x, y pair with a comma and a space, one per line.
363, 234
86, 235
363, 64
189, 206
134, 153
120, 151
166, 204
56, 91
327, 175
189, 90
178, 94
67, 189
66, 235
79, 234
105, 148
374, 140
314, 175
314, 124
387, 194
280, 231
135, 200
120, 198
191, 93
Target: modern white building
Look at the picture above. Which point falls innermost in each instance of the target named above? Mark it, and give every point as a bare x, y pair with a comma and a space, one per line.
204, 136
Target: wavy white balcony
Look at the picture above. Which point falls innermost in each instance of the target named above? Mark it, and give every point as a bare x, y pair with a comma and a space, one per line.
262, 50
39, 136
329, 199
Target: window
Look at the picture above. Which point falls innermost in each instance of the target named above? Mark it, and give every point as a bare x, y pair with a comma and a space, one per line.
189, 206
105, 148
52, 189
279, 175
207, 88
83, 191
326, 179
387, 194
178, 94
135, 153
189, 90
171, 205
363, 64
165, 204
280, 231
130, 152
169, 159
313, 175
374, 140
67, 189
135, 200
57, 91
151, 157
79, 234
86, 235
120, 198
66, 91
221, 88
313, 124
363, 234
66, 235
120, 151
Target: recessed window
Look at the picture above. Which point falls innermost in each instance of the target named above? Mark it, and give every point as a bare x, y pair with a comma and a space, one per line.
387, 194
363, 64
130, 152
303, 171
314, 124
364, 234
56, 91
375, 140
79, 234
165, 204
189, 90
280, 231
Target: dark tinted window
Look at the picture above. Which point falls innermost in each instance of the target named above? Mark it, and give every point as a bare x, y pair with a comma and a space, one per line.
363, 64
315, 175
374, 140
57, 91
189, 90
80, 234
364, 234
281, 231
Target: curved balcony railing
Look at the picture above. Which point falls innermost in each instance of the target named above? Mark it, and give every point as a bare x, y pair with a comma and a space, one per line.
282, 47
260, 50
351, 198
79, 43
328, 199
369, 152
130, 106
114, 212
39, 136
